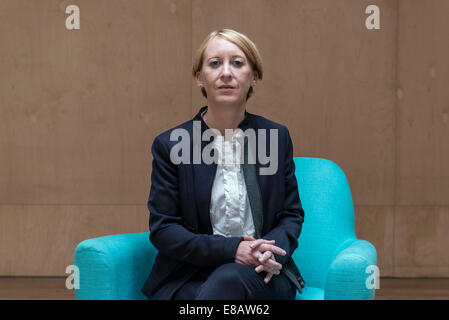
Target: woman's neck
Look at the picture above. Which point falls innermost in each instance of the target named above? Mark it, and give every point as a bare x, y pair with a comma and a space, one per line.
224, 117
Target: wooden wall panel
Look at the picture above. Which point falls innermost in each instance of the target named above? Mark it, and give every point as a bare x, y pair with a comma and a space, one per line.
79, 111
40, 240
422, 175
421, 241
376, 225
326, 77
423, 104
80, 108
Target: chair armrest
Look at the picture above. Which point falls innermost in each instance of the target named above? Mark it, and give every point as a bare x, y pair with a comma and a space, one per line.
114, 267
348, 277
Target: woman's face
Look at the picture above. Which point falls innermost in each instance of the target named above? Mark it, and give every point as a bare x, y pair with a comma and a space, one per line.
226, 73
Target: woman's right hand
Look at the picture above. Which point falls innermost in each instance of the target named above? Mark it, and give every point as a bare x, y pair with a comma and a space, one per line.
248, 255
259, 254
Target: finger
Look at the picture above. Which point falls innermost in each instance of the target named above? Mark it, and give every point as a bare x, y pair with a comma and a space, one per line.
265, 256
248, 238
268, 277
258, 242
269, 247
272, 264
259, 268
258, 256
268, 268
271, 269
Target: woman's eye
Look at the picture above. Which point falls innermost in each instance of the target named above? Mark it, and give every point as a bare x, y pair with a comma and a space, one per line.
214, 63
238, 63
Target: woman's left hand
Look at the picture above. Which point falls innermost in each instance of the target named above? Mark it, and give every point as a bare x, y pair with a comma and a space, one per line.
264, 250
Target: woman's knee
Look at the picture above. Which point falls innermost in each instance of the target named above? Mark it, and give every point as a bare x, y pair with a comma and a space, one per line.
231, 273
228, 281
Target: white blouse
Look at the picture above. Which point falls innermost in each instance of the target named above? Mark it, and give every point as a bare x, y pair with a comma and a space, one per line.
230, 211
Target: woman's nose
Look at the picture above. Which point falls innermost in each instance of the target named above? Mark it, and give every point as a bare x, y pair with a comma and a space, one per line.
226, 69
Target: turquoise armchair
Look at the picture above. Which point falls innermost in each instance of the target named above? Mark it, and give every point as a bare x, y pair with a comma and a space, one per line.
334, 263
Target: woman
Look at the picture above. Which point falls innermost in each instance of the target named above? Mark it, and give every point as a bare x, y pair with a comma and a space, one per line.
224, 229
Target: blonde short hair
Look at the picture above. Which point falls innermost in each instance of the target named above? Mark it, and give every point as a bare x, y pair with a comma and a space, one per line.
241, 41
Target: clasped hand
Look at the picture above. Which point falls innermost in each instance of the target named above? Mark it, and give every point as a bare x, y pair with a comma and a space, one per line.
259, 254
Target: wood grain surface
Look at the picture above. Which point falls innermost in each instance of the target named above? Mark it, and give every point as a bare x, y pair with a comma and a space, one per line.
79, 110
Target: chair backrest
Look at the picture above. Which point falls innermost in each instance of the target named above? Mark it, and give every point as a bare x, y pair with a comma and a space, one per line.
329, 217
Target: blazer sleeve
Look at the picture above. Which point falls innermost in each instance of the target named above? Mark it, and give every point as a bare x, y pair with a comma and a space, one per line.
167, 232
290, 218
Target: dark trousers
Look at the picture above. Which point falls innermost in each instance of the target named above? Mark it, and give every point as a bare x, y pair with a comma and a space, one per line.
234, 281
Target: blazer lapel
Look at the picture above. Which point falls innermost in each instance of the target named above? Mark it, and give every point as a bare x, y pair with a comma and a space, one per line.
203, 176
253, 190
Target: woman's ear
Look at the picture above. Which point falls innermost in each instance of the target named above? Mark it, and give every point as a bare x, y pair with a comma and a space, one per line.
199, 82
255, 78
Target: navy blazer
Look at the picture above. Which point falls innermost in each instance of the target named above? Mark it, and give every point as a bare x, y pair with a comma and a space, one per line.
179, 203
